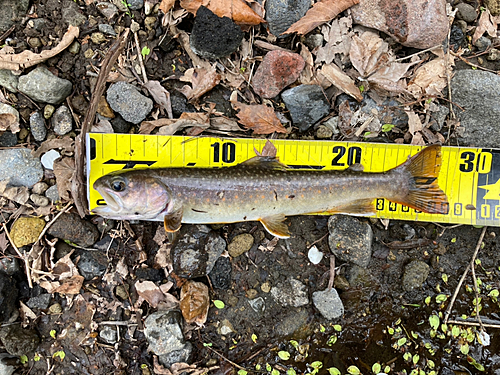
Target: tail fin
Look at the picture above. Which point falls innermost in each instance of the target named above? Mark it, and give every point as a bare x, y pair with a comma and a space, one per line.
424, 193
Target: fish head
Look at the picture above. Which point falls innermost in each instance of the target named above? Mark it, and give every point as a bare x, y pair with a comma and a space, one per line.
132, 195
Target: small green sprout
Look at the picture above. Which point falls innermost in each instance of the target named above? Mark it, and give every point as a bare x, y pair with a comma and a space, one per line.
268, 367
219, 304
275, 372
441, 298
145, 51
415, 359
445, 278
331, 340
52, 333
257, 367
402, 341
464, 349
294, 343
434, 321
207, 344
284, 355
387, 127
361, 89
453, 240
337, 327
144, 366
376, 368
322, 328
37, 357
334, 371
59, 354
242, 372
353, 370
23, 359
254, 337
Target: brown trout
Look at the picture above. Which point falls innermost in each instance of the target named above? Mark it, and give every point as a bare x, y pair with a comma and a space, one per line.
262, 189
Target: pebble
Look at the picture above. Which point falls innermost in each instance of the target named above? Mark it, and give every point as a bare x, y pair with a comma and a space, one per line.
71, 14
483, 43
37, 23
8, 296
37, 127
413, 23
5, 367
48, 159
40, 187
350, 239
26, 230
48, 111
39, 200
277, 70
163, 331
196, 250
265, 287
55, 309
214, 37
307, 105
493, 6
97, 38
43, 86
220, 276
477, 92
19, 341
125, 99
290, 292
108, 334
74, 48
182, 355
52, 193
466, 12
9, 265
5, 108
35, 42
281, 14
8, 139
9, 80
324, 132
257, 304
314, 40
293, 323
108, 10
240, 244
19, 167
104, 109
439, 117
415, 274
493, 55
62, 120
89, 53
71, 227
225, 328
107, 29
41, 301
328, 303
12, 11
120, 125
135, 4
315, 255
92, 264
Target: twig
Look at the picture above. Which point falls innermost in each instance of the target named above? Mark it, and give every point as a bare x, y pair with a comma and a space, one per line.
417, 53
476, 293
332, 272
139, 56
454, 297
224, 358
23, 257
446, 63
318, 240
471, 64
473, 324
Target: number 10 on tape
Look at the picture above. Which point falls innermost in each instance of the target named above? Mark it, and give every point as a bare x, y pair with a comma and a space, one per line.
470, 177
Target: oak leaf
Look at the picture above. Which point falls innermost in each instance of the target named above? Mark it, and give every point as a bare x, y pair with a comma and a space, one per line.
237, 10
259, 118
320, 13
341, 80
202, 81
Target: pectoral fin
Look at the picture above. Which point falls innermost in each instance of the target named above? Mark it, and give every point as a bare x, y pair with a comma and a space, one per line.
358, 207
275, 225
172, 221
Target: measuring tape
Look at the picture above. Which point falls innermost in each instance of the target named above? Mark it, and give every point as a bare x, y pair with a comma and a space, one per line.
470, 177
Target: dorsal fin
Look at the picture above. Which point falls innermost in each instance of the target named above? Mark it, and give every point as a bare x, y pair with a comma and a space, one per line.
266, 162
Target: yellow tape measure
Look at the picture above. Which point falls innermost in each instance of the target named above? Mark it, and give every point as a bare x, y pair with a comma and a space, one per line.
470, 177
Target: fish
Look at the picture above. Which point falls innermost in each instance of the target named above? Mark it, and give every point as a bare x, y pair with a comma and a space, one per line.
263, 189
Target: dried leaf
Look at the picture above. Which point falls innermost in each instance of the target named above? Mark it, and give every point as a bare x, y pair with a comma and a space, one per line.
338, 40
269, 150
27, 58
486, 23
368, 53
160, 95
63, 170
237, 10
71, 285
202, 82
166, 5
170, 126
19, 194
414, 123
259, 118
66, 144
4, 242
320, 13
9, 121
341, 80
430, 78
194, 302
224, 124
150, 292
307, 74
103, 126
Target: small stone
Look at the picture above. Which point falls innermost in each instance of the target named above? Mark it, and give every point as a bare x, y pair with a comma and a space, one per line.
52, 193
6, 368
350, 239
281, 14
340, 282
39, 200
55, 309
9, 80
214, 37
98, 38
74, 48
108, 10
8, 139
414, 275
39, 302
104, 109
5, 108
23, 133
37, 127
71, 227
19, 341
315, 255
258, 305
493, 55
107, 29
221, 274
493, 6
19, 167
483, 43
34, 42
466, 12
225, 328
92, 264
9, 265
324, 132
122, 292
265, 287
163, 331
37, 23
240, 244
71, 14
277, 70
251, 293
26, 230
149, 22
120, 125
307, 105
125, 99
48, 111
290, 293
89, 53
49, 158
328, 303
182, 355
11, 13
314, 40
62, 120
108, 334
43, 86
135, 4
8, 297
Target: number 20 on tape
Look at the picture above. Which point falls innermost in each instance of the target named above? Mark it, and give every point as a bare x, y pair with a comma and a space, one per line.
469, 176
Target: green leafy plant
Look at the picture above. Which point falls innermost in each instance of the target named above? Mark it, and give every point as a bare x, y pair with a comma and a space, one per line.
145, 51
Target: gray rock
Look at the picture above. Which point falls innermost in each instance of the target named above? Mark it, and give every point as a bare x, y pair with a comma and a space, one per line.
107, 29
37, 127
466, 12
108, 334
125, 99
72, 228
478, 92
9, 265
221, 273
10, 12
5, 108
71, 14
8, 297
92, 264
258, 305
41, 301
483, 43
42, 86
52, 193
290, 293
19, 341
19, 167
350, 239
281, 14
328, 303
196, 250
292, 322
414, 275
163, 331
8, 139
108, 10
214, 37
307, 105
62, 120
120, 125
37, 23
5, 367
135, 4
439, 116
39, 200
176, 356
8, 80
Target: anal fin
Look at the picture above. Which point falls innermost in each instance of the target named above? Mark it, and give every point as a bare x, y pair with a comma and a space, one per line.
357, 207
276, 225
173, 220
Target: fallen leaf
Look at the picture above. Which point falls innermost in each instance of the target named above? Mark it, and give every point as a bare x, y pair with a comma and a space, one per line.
4, 243
320, 13
341, 80
431, 78
9, 121
414, 123
166, 5
103, 126
161, 96
150, 292
268, 150
170, 126
202, 81
66, 144
194, 302
259, 118
237, 10
19, 194
27, 58
63, 170
338, 40
70, 285
224, 124
486, 23
306, 76
368, 52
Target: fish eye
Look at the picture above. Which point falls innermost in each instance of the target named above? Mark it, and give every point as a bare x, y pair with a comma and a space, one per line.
118, 185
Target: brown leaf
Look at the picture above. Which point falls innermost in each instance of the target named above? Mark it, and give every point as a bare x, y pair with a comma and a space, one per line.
194, 302
237, 10
63, 170
430, 78
259, 118
202, 82
150, 292
486, 23
160, 95
70, 285
368, 52
341, 80
338, 41
9, 121
19, 194
170, 126
27, 58
166, 5
4, 242
103, 126
320, 13
268, 150
67, 144
414, 123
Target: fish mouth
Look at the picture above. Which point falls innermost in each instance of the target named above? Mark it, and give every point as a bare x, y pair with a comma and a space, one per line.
112, 206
